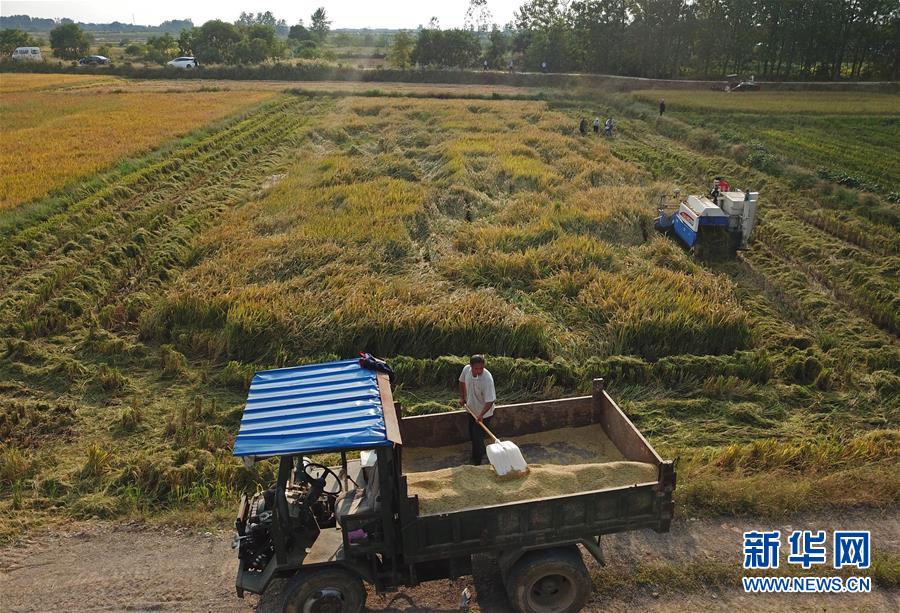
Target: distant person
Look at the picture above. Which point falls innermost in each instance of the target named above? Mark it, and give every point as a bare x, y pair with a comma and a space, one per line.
544, 66
597, 125
511, 66
608, 127
485, 65
582, 126
662, 106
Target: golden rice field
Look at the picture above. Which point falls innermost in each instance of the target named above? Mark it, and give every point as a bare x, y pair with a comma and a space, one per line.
136, 305
24, 82
418, 229
49, 138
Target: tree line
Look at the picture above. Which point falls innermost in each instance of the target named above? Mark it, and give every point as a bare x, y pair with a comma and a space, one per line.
251, 39
777, 39
773, 39
43, 24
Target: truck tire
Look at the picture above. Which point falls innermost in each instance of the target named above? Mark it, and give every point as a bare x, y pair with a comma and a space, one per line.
549, 581
330, 590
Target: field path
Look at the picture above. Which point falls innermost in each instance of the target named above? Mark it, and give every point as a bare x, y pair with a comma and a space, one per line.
98, 566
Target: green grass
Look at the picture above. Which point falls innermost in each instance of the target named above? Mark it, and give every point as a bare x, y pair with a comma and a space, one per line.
845, 137
777, 102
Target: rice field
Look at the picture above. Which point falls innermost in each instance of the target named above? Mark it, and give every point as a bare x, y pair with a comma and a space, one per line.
24, 82
136, 303
52, 135
845, 137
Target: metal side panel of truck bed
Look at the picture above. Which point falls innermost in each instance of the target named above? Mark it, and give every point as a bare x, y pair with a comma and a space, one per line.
530, 523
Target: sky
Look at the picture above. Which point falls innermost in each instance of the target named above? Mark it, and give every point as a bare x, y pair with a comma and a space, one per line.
343, 13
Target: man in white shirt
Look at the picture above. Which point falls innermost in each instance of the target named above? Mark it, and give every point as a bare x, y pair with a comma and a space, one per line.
476, 391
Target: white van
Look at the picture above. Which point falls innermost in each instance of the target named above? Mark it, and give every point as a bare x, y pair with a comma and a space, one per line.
32, 54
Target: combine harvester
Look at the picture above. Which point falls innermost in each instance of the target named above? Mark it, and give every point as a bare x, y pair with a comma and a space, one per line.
714, 226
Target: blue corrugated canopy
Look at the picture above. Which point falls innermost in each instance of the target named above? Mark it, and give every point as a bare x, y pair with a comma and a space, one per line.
314, 408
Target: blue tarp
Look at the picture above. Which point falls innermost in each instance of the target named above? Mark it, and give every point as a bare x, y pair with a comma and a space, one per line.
319, 407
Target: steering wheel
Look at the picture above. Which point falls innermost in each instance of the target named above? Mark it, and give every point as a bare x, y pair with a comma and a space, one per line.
325, 472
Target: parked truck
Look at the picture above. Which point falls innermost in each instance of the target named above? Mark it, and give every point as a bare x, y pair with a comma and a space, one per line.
329, 529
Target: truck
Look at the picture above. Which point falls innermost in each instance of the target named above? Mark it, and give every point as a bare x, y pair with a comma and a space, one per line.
330, 523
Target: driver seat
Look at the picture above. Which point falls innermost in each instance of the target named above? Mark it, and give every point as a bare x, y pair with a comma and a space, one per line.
359, 499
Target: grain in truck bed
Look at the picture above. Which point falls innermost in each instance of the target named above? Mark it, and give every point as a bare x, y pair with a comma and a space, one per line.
581, 445
562, 461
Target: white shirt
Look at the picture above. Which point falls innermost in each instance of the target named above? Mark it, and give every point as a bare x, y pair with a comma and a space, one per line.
479, 390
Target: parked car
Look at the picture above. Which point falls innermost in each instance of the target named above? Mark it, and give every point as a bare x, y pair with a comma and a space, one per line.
27, 54
736, 84
94, 60
746, 86
186, 61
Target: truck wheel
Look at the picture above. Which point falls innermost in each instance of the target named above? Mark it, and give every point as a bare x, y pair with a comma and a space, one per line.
330, 590
549, 581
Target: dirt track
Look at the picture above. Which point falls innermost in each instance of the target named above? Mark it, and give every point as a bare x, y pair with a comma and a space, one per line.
114, 567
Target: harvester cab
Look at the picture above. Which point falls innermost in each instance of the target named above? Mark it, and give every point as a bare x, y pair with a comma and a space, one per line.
714, 226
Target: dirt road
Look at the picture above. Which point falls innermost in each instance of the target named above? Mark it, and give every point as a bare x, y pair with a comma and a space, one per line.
126, 567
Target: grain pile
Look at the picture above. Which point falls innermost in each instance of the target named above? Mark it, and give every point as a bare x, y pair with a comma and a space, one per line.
460, 487
563, 461
584, 445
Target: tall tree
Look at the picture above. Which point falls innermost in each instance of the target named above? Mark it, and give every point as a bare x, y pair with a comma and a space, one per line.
160, 49
546, 34
245, 19
478, 16
400, 53
186, 41
319, 23
69, 41
498, 45
257, 44
599, 28
447, 48
214, 42
249, 19
10, 38
299, 32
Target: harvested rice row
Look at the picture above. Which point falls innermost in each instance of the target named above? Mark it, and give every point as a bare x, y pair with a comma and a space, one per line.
20, 252
158, 208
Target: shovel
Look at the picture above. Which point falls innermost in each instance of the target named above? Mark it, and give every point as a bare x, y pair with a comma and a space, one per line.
504, 456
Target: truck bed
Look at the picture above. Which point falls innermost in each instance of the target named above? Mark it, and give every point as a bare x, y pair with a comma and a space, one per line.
580, 514
561, 462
